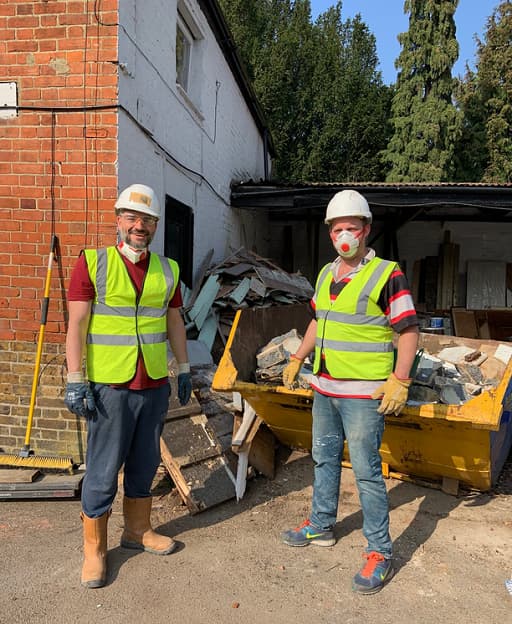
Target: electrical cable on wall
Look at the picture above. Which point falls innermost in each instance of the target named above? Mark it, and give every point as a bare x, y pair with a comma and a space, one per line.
120, 107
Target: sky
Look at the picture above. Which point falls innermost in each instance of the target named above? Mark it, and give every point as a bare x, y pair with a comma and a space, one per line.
386, 19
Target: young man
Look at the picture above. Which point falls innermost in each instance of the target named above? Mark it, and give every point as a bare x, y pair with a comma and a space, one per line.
124, 306
359, 301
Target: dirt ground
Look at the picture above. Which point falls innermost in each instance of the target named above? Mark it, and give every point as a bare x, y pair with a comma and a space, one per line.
453, 555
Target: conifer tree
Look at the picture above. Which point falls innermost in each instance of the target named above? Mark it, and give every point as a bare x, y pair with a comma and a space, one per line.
485, 97
318, 85
425, 122
350, 104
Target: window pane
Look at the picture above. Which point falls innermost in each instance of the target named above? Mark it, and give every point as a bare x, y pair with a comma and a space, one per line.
182, 57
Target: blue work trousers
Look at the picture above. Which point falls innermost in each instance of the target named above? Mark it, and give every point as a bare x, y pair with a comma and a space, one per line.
125, 430
358, 422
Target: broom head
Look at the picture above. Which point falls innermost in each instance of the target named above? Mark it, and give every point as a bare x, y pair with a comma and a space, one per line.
41, 462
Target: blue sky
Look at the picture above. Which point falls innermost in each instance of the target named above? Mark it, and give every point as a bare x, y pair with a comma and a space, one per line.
386, 18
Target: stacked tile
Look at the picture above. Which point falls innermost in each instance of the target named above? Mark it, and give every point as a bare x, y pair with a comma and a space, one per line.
241, 280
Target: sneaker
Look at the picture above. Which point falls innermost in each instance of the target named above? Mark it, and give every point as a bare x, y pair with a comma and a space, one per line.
376, 571
308, 534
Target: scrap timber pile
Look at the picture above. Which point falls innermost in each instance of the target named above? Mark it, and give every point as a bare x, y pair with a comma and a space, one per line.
242, 280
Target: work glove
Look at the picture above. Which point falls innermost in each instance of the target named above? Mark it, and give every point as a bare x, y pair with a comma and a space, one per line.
394, 393
291, 371
78, 397
184, 384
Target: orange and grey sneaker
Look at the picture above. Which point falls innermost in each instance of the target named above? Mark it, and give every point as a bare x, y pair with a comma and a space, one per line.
376, 571
306, 534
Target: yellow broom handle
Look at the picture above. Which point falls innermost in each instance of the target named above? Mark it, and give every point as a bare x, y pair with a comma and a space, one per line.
44, 315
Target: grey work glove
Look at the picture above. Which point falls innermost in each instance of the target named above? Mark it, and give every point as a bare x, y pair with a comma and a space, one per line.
184, 388
79, 398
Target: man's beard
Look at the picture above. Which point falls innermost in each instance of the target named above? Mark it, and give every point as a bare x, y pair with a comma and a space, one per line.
129, 240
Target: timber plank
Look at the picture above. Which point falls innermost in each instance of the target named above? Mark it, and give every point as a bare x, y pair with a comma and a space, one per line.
21, 475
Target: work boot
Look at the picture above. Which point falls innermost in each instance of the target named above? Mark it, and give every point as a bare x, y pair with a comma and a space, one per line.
138, 533
94, 570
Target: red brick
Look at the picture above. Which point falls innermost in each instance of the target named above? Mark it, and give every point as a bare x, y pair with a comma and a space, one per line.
24, 9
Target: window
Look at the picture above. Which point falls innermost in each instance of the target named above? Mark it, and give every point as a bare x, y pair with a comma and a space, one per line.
179, 237
184, 43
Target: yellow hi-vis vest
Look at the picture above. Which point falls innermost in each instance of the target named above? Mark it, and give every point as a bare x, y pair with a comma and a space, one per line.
353, 334
123, 323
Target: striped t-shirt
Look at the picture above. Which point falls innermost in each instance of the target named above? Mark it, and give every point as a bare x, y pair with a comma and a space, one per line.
396, 303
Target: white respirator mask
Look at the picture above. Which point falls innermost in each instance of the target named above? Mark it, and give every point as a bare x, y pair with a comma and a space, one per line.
347, 244
133, 255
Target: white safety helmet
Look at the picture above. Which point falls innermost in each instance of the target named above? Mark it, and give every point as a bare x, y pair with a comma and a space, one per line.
348, 203
139, 197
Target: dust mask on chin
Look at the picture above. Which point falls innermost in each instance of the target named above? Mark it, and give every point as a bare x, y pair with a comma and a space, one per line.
347, 244
133, 255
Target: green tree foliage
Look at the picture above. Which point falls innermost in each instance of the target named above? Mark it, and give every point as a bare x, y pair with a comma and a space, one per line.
350, 105
247, 20
485, 96
426, 124
318, 85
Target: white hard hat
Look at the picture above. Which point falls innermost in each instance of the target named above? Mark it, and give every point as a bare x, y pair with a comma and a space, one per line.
139, 197
348, 203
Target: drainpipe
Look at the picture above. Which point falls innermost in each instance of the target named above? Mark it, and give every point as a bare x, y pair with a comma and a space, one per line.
265, 153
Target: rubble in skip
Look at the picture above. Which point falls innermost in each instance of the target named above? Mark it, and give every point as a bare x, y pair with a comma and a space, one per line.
452, 376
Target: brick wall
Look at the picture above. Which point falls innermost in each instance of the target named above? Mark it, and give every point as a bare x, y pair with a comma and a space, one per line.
58, 175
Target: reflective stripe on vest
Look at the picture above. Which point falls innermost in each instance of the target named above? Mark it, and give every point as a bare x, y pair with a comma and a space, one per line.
353, 333
122, 323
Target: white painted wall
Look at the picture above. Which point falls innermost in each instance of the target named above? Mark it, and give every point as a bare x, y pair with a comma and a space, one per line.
190, 148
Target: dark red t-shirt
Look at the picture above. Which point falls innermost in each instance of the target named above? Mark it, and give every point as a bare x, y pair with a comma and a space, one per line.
82, 289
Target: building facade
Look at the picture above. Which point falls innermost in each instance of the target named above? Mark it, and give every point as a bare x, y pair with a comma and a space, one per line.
95, 96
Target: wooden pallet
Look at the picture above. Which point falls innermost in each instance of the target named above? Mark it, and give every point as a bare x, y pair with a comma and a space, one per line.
194, 458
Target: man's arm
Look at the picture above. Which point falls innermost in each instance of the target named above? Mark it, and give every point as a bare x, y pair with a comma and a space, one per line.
79, 315
296, 359
406, 351
78, 396
177, 335
308, 342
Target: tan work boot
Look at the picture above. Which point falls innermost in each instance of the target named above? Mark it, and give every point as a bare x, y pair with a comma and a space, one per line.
137, 528
94, 570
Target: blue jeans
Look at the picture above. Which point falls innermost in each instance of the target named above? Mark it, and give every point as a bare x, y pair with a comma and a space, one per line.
358, 422
125, 430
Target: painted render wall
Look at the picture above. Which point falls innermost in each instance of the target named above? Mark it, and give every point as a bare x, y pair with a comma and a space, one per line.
188, 146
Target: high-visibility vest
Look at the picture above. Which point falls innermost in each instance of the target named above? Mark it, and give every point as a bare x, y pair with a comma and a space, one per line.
353, 334
122, 323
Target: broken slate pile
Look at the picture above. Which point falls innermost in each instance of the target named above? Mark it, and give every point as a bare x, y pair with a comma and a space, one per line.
452, 376
242, 280
456, 374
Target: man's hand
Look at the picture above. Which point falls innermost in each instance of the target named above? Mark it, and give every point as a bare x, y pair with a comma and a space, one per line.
79, 398
184, 388
291, 371
394, 393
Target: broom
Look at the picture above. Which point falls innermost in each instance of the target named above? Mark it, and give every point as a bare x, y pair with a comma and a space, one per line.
26, 457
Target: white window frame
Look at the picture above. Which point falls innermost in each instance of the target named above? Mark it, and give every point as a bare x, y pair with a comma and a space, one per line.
183, 72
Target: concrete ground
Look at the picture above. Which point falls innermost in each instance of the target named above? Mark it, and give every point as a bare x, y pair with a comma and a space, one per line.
453, 555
